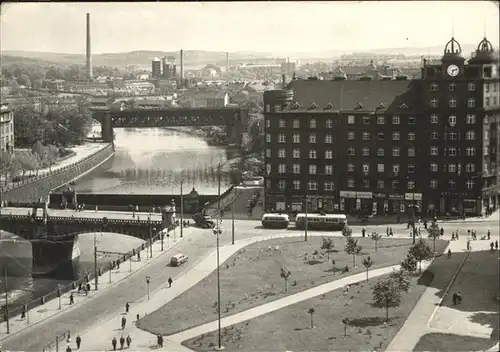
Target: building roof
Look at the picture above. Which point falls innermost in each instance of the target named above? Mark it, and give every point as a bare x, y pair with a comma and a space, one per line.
348, 95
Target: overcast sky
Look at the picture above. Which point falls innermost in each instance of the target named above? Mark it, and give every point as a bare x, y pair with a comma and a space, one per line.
256, 26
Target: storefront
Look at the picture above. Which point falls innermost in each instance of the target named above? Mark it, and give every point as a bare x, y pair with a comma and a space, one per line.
396, 203
471, 206
380, 204
413, 201
352, 202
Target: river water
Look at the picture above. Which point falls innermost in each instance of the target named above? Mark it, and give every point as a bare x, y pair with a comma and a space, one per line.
146, 161
153, 161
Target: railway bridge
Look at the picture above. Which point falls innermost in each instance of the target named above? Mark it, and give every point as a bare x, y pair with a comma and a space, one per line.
234, 119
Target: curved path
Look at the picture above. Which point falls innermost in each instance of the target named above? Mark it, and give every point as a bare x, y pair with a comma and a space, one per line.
100, 338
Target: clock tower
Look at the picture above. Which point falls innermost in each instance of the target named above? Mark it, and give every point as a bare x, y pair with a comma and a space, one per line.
453, 61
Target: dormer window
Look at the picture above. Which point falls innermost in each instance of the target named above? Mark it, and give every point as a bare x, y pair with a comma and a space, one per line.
434, 87
329, 106
313, 106
381, 106
295, 106
403, 106
359, 106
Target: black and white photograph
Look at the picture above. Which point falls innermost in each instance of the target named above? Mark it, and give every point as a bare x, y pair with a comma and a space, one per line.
250, 176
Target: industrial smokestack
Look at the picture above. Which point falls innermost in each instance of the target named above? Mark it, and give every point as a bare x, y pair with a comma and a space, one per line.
88, 63
182, 67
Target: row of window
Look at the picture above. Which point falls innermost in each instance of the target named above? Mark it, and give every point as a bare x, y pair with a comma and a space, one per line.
351, 183
471, 87
469, 151
328, 169
434, 119
381, 120
396, 151
452, 103
469, 135
396, 136
296, 154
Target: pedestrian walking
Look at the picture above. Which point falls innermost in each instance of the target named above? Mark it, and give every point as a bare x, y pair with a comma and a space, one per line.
468, 245
122, 342
496, 245
489, 235
88, 288
449, 253
387, 231
113, 343
71, 299
491, 246
78, 342
442, 231
68, 349
160, 340
170, 282
129, 341
127, 307
363, 232
23, 313
454, 299
459, 298
124, 322
390, 232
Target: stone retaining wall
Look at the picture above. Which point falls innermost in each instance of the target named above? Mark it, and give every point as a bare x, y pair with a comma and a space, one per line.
35, 188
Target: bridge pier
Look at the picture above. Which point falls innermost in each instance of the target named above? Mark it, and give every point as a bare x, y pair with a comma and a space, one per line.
107, 129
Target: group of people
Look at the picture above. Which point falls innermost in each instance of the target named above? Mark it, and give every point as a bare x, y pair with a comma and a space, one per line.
123, 340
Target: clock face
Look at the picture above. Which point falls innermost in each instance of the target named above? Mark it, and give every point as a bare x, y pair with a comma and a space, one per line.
453, 70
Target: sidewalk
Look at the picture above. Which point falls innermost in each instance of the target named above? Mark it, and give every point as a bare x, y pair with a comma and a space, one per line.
108, 279
418, 321
99, 338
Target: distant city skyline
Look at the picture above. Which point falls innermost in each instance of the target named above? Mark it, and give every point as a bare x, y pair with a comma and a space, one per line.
276, 28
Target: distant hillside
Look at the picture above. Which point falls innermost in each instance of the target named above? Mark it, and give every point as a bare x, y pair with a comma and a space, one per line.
140, 57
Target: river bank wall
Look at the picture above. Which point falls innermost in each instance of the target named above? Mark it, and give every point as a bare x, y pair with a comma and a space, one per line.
39, 187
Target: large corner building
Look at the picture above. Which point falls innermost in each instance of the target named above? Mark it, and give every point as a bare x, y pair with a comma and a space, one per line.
388, 146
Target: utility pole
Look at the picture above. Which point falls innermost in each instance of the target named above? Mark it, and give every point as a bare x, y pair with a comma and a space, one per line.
217, 234
96, 274
306, 222
182, 209
150, 238
232, 224
6, 300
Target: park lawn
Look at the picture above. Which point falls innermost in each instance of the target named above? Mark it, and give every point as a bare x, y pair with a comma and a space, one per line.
451, 342
288, 329
251, 277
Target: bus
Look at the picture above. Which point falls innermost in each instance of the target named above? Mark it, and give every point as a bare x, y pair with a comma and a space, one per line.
275, 221
335, 222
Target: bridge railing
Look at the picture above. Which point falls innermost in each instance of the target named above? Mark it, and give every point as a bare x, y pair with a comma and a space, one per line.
99, 155
15, 309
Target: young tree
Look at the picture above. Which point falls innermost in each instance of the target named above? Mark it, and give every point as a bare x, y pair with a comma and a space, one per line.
367, 263
421, 251
375, 236
346, 231
409, 264
402, 279
327, 245
353, 248
311, 312
333, 266
387, 294
434, 232
285, 274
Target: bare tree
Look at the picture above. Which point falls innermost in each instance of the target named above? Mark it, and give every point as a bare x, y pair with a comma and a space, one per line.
375, 236
311, 312
353, 248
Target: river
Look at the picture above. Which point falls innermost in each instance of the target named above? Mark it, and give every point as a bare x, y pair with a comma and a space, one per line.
153, 161
146, 161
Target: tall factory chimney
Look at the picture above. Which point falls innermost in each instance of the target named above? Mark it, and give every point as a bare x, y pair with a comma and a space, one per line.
227, 61
182, 68
88, 63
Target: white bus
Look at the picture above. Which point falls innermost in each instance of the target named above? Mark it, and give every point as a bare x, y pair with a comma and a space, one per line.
275, 221
334, 222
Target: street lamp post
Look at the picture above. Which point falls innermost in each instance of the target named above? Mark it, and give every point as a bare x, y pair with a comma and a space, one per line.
232, 224
59, 295
162, 237
6, 300
96, 276
217, 232
150, 238
306, 221
148, 280
182, 211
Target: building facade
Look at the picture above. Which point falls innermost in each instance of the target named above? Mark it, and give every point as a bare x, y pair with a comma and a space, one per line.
6, 129
387, 146
156, 68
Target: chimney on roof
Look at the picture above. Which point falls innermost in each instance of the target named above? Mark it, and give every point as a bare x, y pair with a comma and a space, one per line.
182, 68
88, 57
